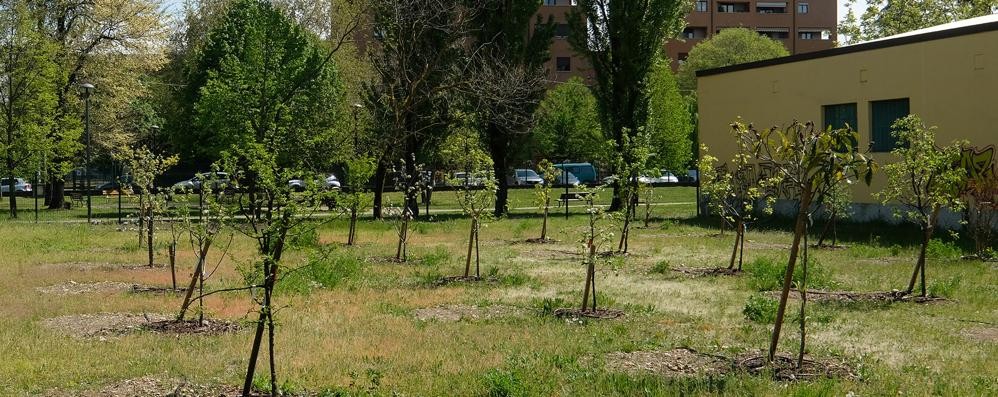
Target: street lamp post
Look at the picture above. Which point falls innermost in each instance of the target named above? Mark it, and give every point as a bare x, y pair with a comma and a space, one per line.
356, 141
87, 90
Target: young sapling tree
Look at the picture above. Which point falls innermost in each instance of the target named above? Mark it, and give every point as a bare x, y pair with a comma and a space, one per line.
410, 184
806, 163
476, 190
354, 197
733, 193
924, 180
146, 166
542, 194
837, 206
632, 163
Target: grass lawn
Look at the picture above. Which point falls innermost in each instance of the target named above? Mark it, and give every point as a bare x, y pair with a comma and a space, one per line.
358, 324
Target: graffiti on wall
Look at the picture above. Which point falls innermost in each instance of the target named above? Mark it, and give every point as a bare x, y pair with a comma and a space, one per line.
979, 162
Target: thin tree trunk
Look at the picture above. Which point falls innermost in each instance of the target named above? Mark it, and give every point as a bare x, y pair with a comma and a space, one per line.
734, 250
920, 264
471, 240
803, 302
799, 230
142, 215
150, 229
274, 392
254, 353
379, 190
544, 224
741, 248
352, 236
173, 263
478, 252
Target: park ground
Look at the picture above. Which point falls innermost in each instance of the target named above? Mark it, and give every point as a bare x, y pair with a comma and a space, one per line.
359, 324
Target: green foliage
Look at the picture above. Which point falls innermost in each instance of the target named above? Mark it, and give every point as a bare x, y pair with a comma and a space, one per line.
669, 121
621, 40
662, 267
504, 383
884, 18
760, 309
566, 124
439, 256
27, 97
941, 249
261, 77
945, 288
728, 47
925, 177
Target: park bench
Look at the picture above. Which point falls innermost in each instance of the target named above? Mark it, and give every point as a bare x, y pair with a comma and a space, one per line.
571, 196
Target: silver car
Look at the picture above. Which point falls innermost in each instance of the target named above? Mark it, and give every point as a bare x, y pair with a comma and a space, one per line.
526, 176
20, 186
564, 177
330, 182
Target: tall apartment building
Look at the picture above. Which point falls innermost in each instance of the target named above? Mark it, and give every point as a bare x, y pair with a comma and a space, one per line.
801, 25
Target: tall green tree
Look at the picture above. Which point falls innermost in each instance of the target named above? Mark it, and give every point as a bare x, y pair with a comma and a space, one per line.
417, 72
28, 78
729, 47
566, 125
884, 18
669, 122
113, 44
267, 96
512, 47
621, 39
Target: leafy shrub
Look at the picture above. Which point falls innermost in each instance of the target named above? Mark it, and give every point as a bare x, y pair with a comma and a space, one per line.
760, 309
547, 306
945, 288
661, 267
308, 238
939, 249
766, 274
439, 256
504, 383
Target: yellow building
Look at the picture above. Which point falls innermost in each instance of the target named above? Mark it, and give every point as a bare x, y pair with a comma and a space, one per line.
947, 75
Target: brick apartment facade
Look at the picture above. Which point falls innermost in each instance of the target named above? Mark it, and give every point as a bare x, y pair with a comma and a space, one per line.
801, 25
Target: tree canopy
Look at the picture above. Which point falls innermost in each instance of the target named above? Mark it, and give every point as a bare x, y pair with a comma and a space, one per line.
669, 122
729, 47
884, 18
567, 125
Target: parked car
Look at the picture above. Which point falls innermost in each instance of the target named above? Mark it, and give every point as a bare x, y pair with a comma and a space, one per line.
563, 177
299, 184
526, 176
113, 186
217, 181
464, 179
584, 171
20, 186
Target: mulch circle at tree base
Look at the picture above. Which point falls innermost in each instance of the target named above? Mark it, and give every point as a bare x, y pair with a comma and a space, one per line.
675, 363
207, 327
152, 289
462, 279
538, 241
706, 271
850, 296
596, 314
784, 368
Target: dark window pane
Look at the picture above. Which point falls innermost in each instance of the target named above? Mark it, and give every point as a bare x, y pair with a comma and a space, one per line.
563, 64
882, 115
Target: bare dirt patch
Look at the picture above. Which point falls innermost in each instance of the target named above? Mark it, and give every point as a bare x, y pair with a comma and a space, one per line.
75, 288
578, 314
675, 363
784, 368
103, 325
99, 325
706, 271
448, 280
982, 333
454, 313
100, 266
538, 241
150, 386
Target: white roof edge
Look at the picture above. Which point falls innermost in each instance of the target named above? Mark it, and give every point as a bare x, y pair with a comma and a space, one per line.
946, 26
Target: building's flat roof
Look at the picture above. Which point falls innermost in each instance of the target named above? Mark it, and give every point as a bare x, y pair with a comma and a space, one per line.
985, 23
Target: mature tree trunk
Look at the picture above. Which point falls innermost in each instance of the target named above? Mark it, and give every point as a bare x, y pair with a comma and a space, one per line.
788, 276
57, 194
499, 146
